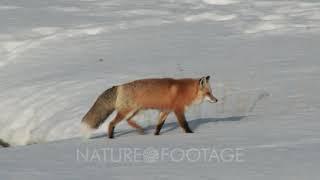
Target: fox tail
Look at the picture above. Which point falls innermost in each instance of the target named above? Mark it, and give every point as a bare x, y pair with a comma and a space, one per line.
99, 112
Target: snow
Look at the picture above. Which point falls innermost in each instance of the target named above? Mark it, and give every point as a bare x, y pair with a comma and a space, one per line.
58, 56
220, 2
266, 26
210, 16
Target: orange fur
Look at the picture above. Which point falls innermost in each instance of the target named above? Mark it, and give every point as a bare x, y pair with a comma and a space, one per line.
162, 94
166, 95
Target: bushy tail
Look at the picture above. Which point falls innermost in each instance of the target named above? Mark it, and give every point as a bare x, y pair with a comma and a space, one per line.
100, 111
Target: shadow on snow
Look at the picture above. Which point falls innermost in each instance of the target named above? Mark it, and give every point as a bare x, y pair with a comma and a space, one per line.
167, 127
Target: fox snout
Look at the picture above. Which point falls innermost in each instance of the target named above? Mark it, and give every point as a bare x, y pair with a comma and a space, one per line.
211, 98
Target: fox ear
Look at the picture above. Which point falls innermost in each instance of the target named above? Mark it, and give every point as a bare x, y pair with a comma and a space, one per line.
207, 78
203, 82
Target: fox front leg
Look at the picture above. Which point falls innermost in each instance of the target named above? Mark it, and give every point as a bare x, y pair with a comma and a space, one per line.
182, 121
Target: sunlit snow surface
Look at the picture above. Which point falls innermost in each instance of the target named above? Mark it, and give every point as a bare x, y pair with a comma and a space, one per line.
57, 56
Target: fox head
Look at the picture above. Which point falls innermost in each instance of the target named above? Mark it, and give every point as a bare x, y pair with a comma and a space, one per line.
205, 91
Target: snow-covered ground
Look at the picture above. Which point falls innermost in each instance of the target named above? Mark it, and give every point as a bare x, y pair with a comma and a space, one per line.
57, 56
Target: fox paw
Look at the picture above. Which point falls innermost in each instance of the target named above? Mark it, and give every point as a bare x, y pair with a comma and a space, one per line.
156, 133
189, 131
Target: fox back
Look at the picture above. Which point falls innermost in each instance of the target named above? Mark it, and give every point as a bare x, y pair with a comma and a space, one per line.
163, 94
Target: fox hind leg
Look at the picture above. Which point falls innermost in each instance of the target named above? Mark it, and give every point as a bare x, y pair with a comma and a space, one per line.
162, 118
119, 117
113, 123
133, 124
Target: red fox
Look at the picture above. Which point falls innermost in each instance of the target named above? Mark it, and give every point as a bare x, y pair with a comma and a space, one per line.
166, 95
